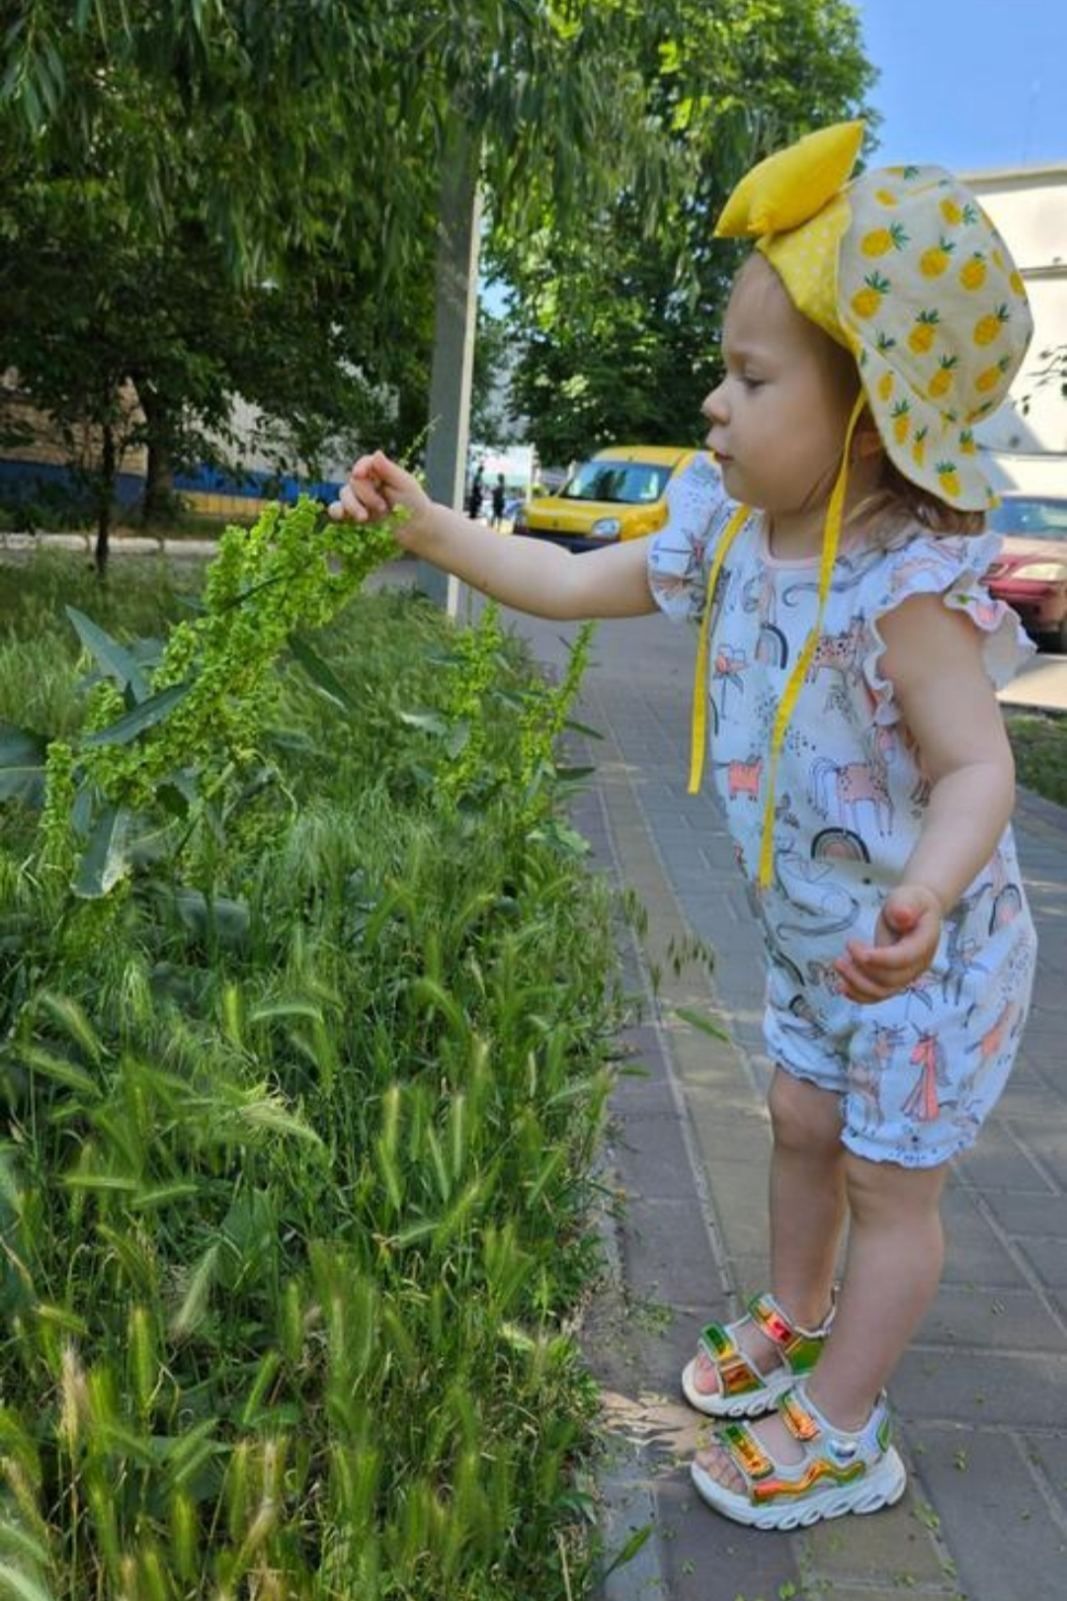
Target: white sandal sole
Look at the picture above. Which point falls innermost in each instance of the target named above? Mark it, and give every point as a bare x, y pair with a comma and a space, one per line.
756, 1404
882, 1487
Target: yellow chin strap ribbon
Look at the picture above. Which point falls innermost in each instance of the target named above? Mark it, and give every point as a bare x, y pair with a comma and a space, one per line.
831, 540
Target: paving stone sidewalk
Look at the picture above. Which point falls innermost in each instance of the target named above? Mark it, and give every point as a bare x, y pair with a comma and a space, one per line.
981, 1397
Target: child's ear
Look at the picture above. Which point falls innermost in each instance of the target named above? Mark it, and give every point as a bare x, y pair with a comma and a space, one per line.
866, 441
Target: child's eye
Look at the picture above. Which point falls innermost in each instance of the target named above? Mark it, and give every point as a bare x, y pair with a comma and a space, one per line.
752, 383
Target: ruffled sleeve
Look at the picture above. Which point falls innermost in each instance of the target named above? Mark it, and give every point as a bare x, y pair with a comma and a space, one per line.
677, 554
954, 567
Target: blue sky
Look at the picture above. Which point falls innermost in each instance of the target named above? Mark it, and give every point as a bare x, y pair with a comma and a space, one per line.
969, 84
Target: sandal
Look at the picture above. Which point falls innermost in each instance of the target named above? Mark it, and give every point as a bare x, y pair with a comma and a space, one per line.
839, 1472
745, 1392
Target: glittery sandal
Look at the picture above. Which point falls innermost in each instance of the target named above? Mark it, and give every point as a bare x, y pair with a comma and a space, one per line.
745, 1392
840, 1471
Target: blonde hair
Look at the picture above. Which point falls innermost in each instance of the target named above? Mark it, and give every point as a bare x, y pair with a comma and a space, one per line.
897, 503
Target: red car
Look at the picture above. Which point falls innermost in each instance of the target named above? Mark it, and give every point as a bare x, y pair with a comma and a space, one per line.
1031, 572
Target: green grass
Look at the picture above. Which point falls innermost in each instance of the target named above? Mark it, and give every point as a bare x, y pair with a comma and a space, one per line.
296, 1141
1040, 746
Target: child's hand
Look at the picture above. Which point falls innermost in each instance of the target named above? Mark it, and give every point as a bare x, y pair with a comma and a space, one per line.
377, 486
905, 942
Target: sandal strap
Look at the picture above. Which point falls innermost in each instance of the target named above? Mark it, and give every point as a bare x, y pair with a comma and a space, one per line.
797, 1417
767, 1481
748, 1455
737, 1373
806, 1423
798, 1348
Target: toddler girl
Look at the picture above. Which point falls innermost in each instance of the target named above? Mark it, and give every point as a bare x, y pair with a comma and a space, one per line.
832, 554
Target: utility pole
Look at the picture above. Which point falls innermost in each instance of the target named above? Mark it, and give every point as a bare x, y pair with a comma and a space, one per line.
455, 316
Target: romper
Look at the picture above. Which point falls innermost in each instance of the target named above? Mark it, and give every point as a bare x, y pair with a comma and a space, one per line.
919, 1072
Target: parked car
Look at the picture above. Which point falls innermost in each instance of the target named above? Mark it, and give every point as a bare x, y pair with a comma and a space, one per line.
617, 494
1031, 572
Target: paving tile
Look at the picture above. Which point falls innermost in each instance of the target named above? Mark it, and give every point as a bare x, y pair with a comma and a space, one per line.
651, 1156
894, 1546
1026, 1214
979, 1390
992, 1515
975, 1253
706, 1556
995, 1320
665, 1246
1049, 1260
1049, 1454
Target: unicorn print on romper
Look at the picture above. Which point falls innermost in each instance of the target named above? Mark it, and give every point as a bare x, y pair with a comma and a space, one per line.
821, 783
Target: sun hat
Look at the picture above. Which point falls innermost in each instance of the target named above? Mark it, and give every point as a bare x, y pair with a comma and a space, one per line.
903, 268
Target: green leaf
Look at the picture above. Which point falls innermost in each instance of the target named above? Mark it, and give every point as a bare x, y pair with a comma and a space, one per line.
22, 765
142, 717
57, 1068
68, 1016
106, 858
307, 1010
629, 1550
320, 673
271, 1114
115, 660
458, 739
429, 722
225, 920
704, 1024
583, 728
15, 1583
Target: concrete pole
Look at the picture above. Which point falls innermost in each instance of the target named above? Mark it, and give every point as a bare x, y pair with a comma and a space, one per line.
455, 318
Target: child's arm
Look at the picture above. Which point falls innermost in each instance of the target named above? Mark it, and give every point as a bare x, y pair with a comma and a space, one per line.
933, 658
532, 576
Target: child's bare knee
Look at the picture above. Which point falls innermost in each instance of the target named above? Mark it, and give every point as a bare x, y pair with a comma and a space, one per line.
885, 1188
803, 1116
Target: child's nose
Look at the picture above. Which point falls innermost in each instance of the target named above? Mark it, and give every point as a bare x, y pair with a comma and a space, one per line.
714, 407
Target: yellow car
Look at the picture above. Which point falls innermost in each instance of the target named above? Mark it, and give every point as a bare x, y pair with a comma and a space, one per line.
618, 494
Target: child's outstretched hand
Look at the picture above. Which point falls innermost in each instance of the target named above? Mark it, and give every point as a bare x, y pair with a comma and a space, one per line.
377, 486
905, 942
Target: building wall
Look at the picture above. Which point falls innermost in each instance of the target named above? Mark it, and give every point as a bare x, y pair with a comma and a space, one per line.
1028, 436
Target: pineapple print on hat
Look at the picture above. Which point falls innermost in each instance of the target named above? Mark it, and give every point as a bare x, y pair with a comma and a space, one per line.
948, 478
941, 382
988, 327
935, 261
957, 308
880, 241
866, 301
923, 333
973, 271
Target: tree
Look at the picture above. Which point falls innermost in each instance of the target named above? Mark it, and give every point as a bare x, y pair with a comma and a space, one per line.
620, 321
266, 142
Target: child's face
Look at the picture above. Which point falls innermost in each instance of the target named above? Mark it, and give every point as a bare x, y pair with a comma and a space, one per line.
778, 418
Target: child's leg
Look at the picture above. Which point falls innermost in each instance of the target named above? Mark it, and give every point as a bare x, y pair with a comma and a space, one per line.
896, 1253
895, 1256
807, 1208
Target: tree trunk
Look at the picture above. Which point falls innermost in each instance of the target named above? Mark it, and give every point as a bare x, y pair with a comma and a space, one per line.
157, 504
455, 315
105, 494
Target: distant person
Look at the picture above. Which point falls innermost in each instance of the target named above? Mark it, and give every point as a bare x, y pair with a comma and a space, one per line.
476, 496
831, 548
500, 495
